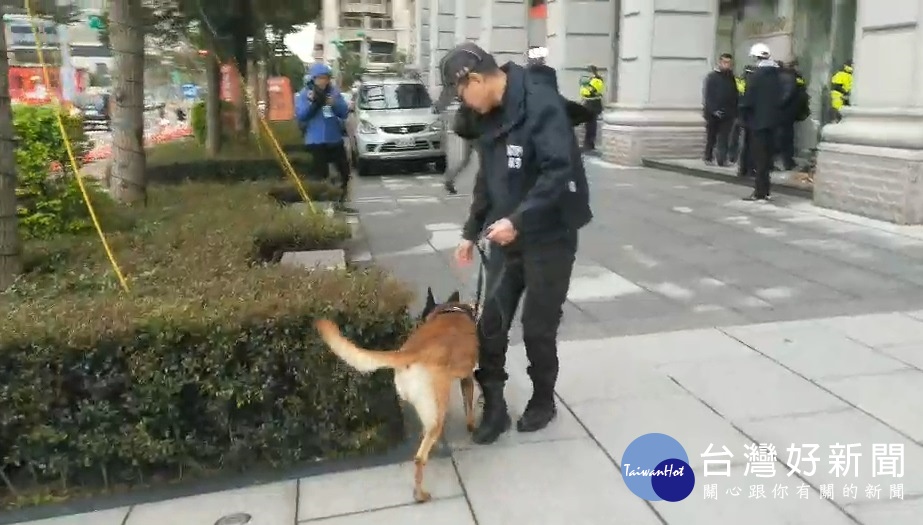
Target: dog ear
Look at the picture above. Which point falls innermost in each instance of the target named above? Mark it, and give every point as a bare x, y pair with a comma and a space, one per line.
455, 297
430, 303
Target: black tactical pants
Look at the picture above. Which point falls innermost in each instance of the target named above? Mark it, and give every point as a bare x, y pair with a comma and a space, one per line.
543, 273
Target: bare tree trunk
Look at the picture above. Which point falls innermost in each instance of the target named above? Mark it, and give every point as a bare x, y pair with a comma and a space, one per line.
10, 248
243, 76
213, 106
129, 183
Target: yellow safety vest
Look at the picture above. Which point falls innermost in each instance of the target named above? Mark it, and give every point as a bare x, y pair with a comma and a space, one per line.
593, 90
841, 87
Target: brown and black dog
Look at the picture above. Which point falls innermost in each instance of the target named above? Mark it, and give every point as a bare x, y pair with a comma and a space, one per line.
443, 349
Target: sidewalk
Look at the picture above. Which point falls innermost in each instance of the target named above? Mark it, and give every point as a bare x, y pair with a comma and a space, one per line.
844, 380
795, 182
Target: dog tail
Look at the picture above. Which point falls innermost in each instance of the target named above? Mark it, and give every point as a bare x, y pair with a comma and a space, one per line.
359, 358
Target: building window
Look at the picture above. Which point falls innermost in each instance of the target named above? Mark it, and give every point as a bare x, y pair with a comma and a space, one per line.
353, 46
381, 23
381, 51
350, 21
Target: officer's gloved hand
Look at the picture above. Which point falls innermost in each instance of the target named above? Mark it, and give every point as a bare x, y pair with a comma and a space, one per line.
718, 114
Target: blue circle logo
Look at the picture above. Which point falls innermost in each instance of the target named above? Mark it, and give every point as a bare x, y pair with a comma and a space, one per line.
655, 467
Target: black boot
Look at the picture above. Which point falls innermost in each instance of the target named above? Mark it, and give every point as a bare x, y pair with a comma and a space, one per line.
540, 409
495, 419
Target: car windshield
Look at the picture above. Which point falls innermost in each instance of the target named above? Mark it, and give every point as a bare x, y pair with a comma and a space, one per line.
395, 96
89, 101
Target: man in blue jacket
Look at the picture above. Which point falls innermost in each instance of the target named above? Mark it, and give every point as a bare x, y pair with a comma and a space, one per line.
530, 198
320, 110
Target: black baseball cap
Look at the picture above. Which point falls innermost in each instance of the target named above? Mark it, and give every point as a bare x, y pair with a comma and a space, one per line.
458, 63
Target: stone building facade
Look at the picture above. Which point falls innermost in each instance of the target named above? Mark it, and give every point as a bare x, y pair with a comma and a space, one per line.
655, 54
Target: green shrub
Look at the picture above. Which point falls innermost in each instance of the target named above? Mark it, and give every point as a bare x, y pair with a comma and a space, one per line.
198, 120
211, 363
181, 161
49, 204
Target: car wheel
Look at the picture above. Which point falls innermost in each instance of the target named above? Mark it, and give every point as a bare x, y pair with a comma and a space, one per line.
441, 164
363, 168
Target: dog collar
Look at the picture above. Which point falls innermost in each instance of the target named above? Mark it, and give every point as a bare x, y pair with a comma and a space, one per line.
456, 308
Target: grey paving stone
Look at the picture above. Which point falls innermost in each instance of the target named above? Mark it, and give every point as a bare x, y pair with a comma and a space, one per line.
840, 428
101, 517
889, 397
814, 351
633, 306
828, 308
452, 511
548, 483
880, 329
323, 259
685, 346
911, 354
793, 259
854, 281
760, 501
604, 371
888, 512
751, 387
615, 424
271, 503
373, 489
684, 320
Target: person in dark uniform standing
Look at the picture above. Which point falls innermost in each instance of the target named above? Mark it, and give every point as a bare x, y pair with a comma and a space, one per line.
796, 109
761, 111
530, 199
719, 109
734, 141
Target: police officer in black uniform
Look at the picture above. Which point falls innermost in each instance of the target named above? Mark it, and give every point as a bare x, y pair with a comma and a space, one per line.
530, 198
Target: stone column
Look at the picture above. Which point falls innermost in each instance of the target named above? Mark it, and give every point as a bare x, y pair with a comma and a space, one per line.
331, 14
504, 30
400, 15
871, 163
461, 21
424, 48
665, 51
579, 33
433, 39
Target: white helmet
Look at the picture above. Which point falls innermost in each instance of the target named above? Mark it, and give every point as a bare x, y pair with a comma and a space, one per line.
760, 50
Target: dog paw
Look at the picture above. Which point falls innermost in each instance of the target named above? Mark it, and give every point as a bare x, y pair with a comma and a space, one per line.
421, 496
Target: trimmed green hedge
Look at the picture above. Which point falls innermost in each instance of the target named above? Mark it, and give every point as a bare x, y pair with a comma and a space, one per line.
210, 364
186, 160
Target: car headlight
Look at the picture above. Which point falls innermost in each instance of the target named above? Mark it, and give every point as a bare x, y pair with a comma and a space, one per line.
367, 127
436, 126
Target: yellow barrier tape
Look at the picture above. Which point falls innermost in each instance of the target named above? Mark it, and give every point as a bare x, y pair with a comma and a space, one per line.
70, 150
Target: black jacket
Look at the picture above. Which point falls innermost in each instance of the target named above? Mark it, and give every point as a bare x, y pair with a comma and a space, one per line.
795, 98
720, 94
531, 170
766, 95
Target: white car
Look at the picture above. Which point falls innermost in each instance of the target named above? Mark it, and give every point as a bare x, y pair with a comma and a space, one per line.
393, 121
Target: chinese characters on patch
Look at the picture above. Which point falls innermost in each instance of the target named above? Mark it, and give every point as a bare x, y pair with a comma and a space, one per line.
842, 461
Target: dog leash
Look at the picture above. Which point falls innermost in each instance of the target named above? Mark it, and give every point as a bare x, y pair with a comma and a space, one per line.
480, 286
